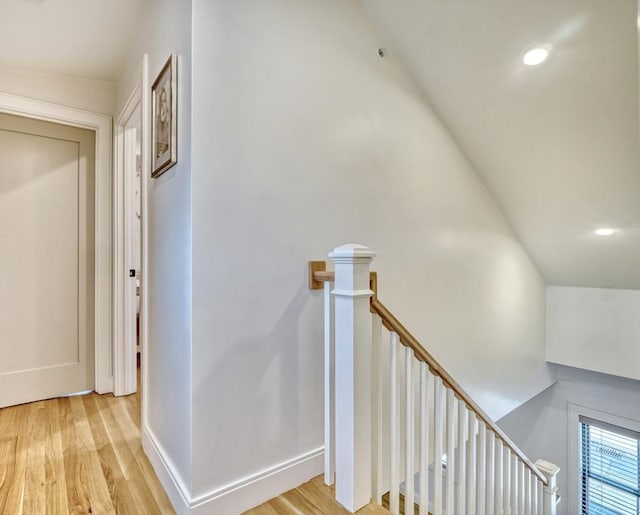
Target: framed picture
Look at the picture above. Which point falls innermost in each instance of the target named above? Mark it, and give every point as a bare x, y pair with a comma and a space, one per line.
164, 93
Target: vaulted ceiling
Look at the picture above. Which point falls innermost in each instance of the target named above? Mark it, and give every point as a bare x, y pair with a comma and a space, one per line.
556, 144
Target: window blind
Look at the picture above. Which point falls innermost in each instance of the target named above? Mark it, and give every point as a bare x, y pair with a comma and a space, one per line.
610, 469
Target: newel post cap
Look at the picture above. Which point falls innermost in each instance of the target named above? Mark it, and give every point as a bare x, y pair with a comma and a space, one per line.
352, 252
550, 471
547, 468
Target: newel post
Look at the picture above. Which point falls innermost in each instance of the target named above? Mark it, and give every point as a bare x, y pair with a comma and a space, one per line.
550, 491
352, 375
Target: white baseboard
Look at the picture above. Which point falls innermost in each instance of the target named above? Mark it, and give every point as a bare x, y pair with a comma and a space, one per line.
166, 472
260, 487
235, 497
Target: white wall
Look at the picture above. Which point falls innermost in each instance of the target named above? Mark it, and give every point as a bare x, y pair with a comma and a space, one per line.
595, 329
304, 139
540, 426
91, 95
167, 29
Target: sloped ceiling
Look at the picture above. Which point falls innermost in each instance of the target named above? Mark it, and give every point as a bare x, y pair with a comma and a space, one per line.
557, 144
82, 38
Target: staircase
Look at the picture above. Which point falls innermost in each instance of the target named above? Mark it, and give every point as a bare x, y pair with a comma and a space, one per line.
398, 426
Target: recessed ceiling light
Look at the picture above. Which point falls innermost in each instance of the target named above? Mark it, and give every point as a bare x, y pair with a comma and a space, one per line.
536, 55
605, 231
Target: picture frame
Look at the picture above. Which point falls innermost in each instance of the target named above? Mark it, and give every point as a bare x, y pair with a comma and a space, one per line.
164, 137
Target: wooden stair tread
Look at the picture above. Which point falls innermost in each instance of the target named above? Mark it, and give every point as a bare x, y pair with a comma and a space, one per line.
313, 498
385, 504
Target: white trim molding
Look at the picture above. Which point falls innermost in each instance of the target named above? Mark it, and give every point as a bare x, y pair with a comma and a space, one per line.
167, 474
145, 149
124, 320
102, 126
237, 496
257, 488
575, 411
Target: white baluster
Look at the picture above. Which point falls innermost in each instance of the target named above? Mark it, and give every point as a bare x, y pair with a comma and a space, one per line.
329, 385
521, 490
451, 444
514, 485
533, 481
550, 490
426, 389
481, 462
409, 432
471, 471
527, 491
377, 410
539, 495
463, 420
507, 481
394, 429
499, 469
534, 494
438, 446
491, 472
353, 375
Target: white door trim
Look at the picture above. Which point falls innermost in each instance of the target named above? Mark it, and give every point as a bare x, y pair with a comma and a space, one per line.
101, 124
145, 138
124, 184
124, 359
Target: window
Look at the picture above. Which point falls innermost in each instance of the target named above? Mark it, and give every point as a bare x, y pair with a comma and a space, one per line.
609, 469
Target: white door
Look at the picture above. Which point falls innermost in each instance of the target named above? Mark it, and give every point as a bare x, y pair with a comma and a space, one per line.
46, 260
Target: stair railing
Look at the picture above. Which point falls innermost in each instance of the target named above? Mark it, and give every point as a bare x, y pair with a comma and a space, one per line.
399, 430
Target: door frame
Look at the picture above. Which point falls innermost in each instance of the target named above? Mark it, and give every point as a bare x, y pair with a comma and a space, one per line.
124, 183
101, 125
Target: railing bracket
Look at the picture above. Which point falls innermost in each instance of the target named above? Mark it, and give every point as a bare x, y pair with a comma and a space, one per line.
313, 267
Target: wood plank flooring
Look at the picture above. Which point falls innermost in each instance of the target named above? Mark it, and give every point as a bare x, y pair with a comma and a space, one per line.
311, 498
80, 455
77, 455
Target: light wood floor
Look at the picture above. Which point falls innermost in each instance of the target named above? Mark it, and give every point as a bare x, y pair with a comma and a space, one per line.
312, 498
74, 456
